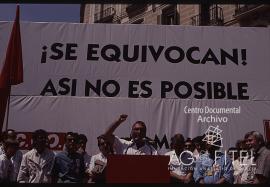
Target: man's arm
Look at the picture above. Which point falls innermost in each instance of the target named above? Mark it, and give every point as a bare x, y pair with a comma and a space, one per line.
221, 180
23, 176
188, 177
198, 172
227, 176
114, 125
178, 177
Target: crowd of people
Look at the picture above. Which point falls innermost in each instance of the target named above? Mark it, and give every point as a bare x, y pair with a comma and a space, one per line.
191, 160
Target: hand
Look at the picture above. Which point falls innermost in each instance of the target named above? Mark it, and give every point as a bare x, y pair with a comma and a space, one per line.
187, 180
201, 181
251, 181
122, 118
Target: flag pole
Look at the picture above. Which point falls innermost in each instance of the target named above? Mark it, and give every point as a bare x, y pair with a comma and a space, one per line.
8, 102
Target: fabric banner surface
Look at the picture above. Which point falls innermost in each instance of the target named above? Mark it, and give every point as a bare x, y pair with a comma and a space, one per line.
177, 79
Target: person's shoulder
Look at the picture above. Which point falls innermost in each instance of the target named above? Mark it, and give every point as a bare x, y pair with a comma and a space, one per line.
61, 154
49, 152
3, 157
96, 155
87, 156
126, 141
4, 160
29, 153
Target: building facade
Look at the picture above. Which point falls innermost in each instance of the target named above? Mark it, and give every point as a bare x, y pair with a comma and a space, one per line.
178, 14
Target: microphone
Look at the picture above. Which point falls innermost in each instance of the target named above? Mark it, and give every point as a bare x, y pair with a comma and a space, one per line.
145, 140
148, 142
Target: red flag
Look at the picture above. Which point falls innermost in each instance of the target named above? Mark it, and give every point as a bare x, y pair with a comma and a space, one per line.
12, 71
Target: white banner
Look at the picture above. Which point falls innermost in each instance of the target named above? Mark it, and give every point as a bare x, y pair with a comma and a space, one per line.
178, 79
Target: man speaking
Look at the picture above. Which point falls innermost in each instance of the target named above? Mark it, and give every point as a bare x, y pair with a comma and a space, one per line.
138, 145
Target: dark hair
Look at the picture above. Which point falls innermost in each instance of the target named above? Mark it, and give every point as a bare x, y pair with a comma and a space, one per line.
248, 134
141, 123
6, 135
240, 145
74, 135
188, 140
126, 138
82, 138
37, 133
177, 139
103, 137
198, 139
259, 137
10, 142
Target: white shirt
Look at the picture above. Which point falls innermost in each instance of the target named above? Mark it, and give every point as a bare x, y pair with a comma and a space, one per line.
35, 167
236, 167
94, 158
125, 147
16, 162
6, 168
236, 170
247, 172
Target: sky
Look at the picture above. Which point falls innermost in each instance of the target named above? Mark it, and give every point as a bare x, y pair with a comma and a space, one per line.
42, 12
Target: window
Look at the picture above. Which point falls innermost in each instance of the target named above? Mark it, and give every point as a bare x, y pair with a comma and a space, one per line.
104, 13
170, 16
205, 14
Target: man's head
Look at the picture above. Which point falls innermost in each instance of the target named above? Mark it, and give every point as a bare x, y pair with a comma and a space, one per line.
104, 146
10, 133
82, 140
10, 147
199, 144
189, 145
254, 140
138, 131
71, 142
178, 143
40, 140
241, 145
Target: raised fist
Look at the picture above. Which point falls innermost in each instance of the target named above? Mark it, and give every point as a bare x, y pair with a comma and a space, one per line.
122, 118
